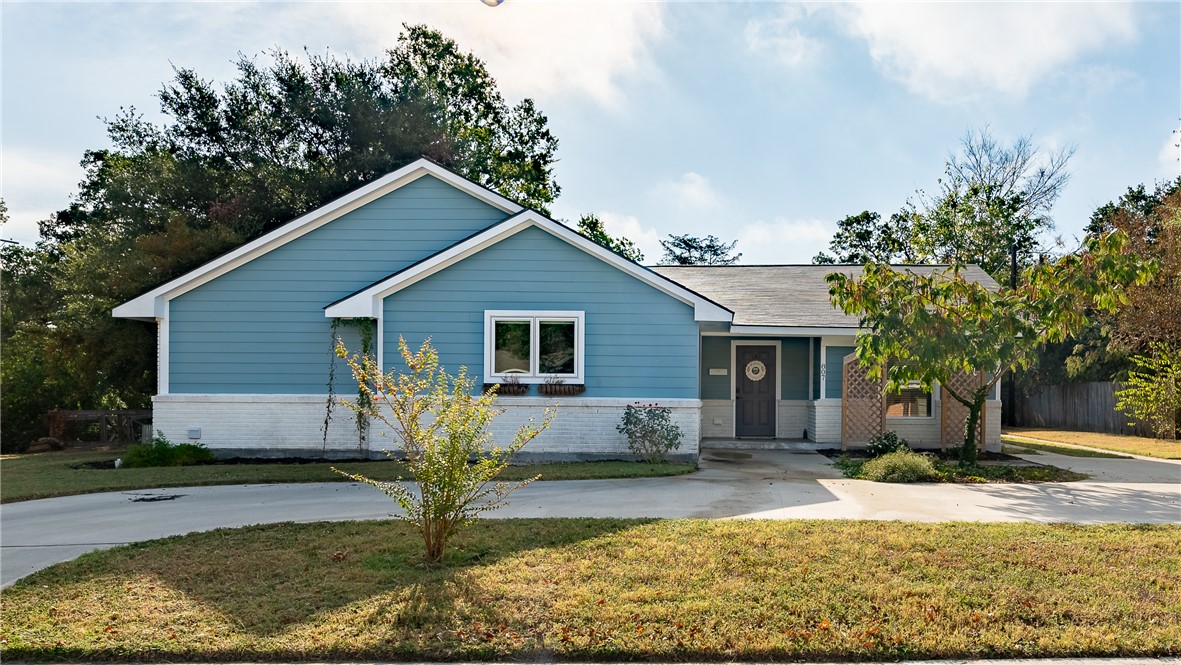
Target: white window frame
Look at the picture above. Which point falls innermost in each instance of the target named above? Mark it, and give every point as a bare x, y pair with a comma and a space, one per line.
535, 318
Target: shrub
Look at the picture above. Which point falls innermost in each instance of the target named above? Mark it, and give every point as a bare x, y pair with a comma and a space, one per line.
445, 442
1152, 393
650, 431
162, 452
886, 442
903, 466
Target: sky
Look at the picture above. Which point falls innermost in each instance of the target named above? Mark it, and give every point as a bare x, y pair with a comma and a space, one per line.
759, 122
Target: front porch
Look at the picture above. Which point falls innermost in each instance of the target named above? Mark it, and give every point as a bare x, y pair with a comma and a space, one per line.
790, 445
781, 392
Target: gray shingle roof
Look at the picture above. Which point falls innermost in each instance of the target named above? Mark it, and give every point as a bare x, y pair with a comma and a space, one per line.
795, 296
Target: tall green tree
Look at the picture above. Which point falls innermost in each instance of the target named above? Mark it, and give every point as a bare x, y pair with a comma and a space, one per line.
992, 199
867, 238
930, 326
1151, 218
230, 162
687, 250
592, 227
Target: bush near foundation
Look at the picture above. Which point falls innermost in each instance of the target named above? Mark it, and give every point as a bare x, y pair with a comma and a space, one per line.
650, 431
162, 452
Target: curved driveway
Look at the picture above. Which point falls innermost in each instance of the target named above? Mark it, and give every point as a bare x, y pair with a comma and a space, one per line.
743, 484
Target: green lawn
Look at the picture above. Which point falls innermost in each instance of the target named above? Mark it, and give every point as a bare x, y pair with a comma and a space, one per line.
43, 475
539, 590
1133, 445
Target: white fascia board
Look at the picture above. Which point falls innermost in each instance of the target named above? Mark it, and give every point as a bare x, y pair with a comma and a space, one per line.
151, 304
789, 331
367, 303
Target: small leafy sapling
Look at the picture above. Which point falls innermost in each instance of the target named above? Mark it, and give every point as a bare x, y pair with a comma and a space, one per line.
443, 439
1152, 394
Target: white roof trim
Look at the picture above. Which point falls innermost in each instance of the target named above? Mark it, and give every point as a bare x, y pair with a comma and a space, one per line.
791, 331
151, 304
367, 303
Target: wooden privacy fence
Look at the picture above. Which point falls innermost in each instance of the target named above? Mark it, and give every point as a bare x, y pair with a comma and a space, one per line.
1085, 407
122, 426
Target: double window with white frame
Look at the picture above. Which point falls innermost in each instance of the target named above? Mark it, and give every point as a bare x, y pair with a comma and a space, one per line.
533, 346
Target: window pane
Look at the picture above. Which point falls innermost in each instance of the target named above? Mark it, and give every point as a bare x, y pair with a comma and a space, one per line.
911, 402
512, 347
557, 347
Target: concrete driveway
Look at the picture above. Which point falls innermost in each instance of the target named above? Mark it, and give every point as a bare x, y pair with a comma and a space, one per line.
730, 484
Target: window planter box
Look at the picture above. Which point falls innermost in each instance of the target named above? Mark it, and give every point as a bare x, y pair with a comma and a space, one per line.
509, 388
561, 388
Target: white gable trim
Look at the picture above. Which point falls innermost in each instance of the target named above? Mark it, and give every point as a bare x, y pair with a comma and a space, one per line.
152, 305
368, 302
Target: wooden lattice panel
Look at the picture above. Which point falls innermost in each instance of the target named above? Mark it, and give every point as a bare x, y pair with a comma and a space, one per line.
863, 408
953, 416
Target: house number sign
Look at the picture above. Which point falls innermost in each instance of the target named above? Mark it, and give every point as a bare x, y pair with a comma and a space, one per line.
756, 370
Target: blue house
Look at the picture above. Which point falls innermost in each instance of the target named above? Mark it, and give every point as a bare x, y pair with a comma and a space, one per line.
758, 352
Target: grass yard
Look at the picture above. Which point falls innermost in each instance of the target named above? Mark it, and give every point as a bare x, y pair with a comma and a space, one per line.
536, 590
1025, 447
42, 475
1134, 445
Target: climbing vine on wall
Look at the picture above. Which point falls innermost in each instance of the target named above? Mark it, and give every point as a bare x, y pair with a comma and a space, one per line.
364, 400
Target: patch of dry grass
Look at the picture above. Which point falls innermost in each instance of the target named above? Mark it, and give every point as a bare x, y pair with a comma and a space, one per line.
612, 590
1015, 446
1135, 445
42, 475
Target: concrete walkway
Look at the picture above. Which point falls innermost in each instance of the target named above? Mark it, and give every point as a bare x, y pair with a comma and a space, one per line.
730, 484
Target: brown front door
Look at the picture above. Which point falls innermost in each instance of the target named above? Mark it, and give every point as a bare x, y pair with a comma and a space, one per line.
754, 391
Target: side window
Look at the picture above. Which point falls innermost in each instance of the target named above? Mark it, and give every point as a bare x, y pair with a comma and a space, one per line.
910, 402
533, 345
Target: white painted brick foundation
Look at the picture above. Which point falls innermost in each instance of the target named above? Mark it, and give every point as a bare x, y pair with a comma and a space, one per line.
717, 418
291, 425
824, 421
918, 432
792, 419
992, 425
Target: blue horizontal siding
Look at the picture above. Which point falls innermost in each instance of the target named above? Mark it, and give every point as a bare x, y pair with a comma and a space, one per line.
639, 343
260, 328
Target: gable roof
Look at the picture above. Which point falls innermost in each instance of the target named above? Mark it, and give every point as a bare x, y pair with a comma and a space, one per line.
789, 297
152, 304
367, 302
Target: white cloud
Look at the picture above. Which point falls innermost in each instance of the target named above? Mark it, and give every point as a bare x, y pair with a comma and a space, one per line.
533, 49
954, 52
691, 193
1169, 157
34, 185
783, 240
627, 226
782, 38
